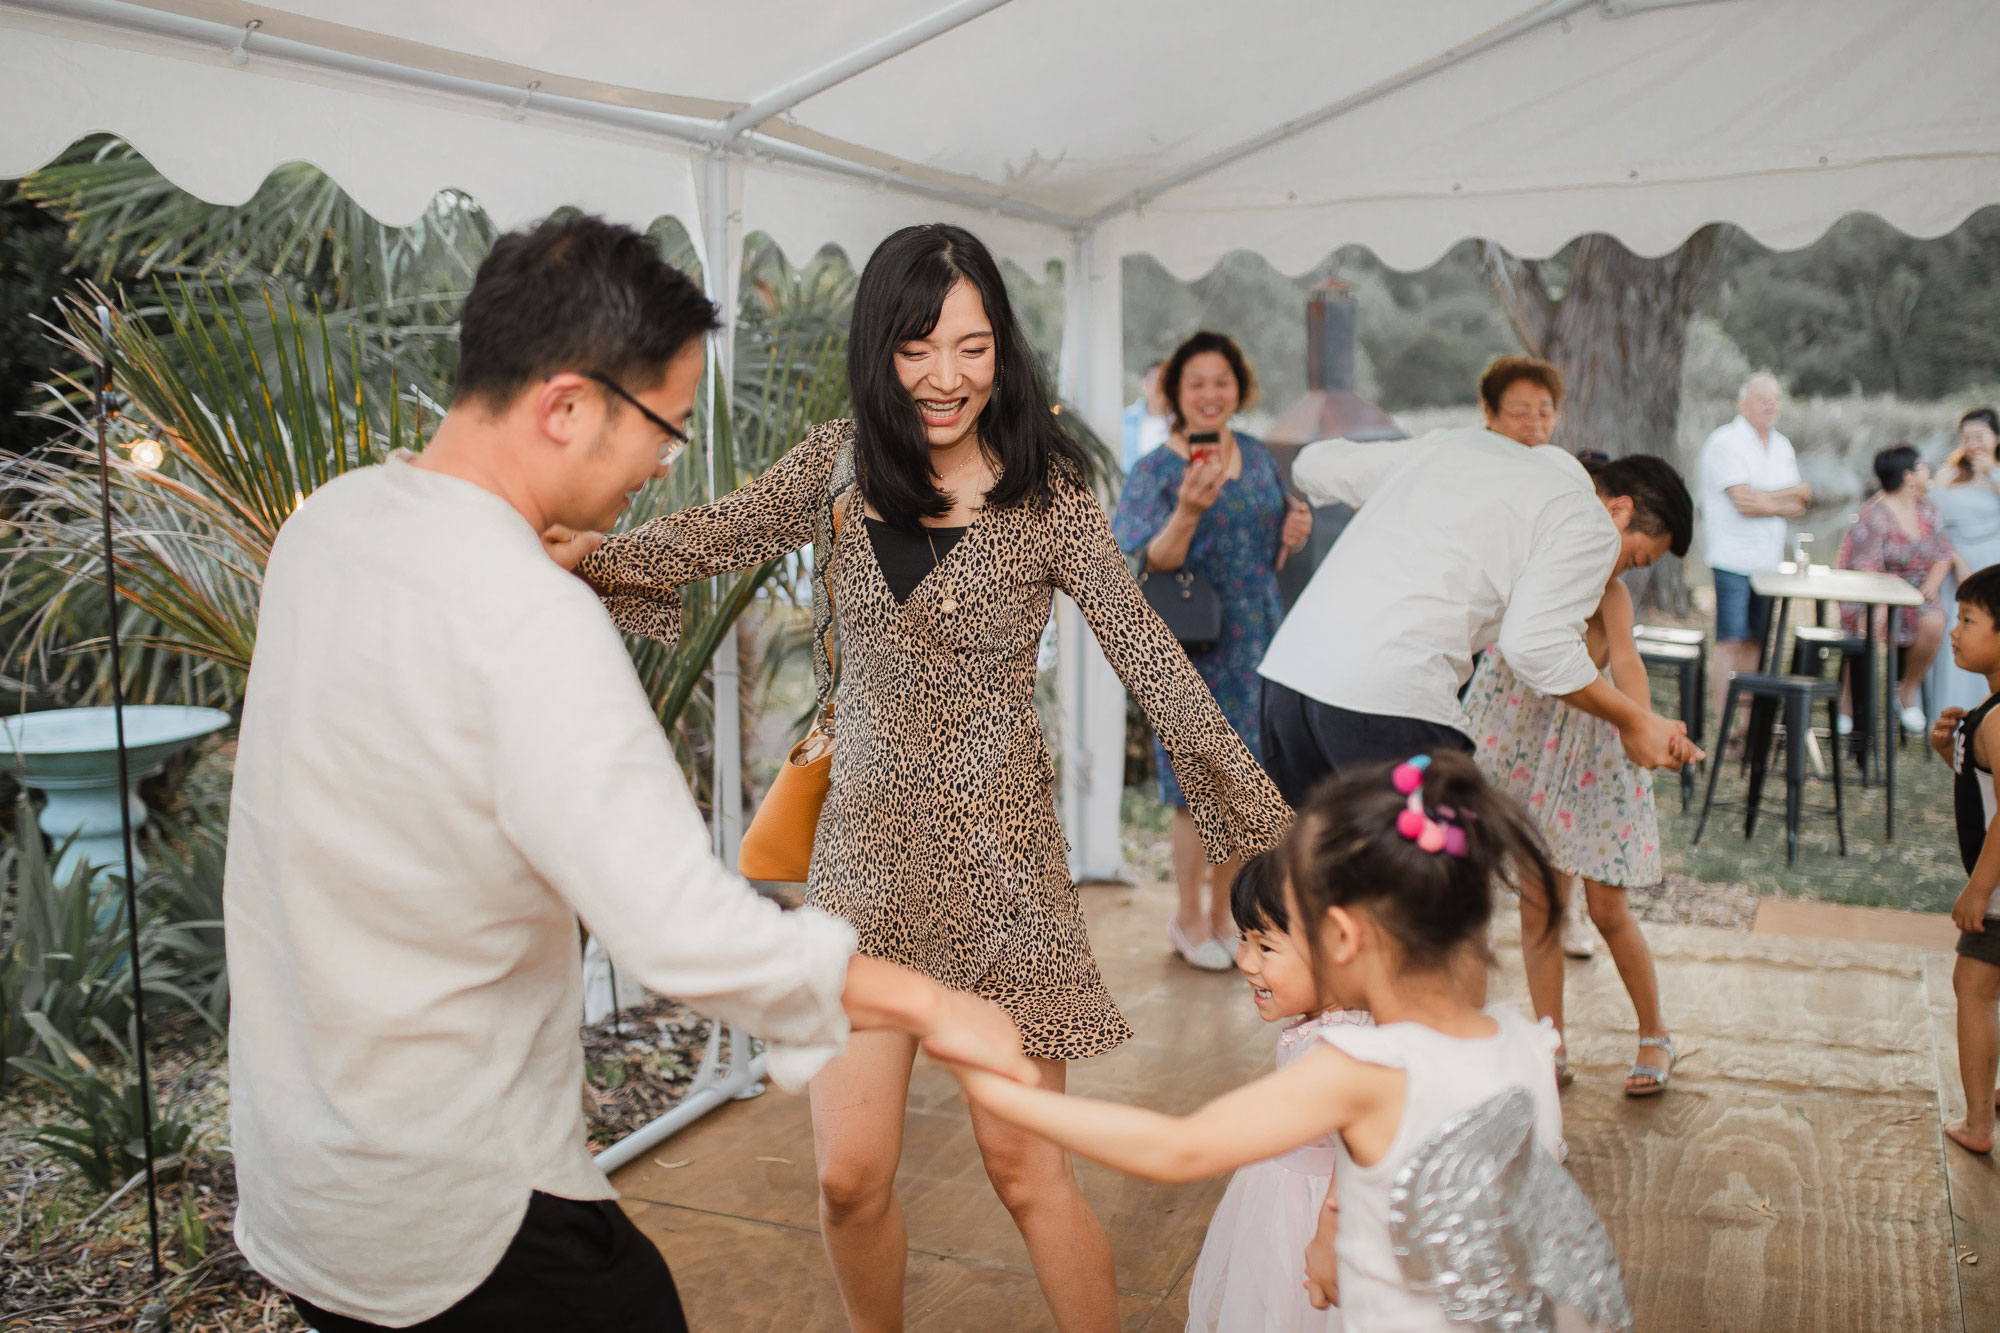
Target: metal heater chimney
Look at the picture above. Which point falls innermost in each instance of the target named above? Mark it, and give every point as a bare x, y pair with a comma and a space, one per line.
1330, 410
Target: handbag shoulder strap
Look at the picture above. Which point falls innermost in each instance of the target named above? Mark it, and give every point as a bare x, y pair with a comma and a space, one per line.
841, 488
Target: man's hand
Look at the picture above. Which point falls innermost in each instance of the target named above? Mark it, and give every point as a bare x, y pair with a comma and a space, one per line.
567, 547
969, 1031
1297, 531
1969, 912
1655, 742
1942, 729
1322, 1272
1686, 751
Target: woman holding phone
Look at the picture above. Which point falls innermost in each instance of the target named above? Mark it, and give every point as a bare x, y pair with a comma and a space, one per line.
1211, 502
952, 508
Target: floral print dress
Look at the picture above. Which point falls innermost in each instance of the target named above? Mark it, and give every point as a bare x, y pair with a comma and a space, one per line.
1235, 547
1877, 541
1594, 805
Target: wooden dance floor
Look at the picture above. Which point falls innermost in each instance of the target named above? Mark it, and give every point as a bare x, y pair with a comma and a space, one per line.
1794, 1178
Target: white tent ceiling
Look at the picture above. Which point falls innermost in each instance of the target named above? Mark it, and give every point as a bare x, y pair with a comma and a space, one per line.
1283, 126
1084, 130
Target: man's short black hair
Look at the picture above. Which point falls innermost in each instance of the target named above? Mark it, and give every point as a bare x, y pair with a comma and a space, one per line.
574, 293
1982, 589
1661, 505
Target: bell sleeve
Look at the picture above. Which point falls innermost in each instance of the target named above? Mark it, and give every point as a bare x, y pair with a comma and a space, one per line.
1235, 806
639, 574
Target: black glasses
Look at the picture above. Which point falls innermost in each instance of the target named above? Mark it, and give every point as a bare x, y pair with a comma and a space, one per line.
677, 439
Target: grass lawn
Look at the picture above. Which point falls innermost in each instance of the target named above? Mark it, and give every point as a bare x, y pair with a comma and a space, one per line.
1919, 871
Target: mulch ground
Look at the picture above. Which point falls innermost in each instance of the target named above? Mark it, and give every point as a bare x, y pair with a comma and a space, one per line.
70, 1260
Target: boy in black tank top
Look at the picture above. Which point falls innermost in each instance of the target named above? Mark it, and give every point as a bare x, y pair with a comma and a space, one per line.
1970, 743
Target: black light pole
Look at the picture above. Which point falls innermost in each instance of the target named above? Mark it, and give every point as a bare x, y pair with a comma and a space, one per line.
155, 1315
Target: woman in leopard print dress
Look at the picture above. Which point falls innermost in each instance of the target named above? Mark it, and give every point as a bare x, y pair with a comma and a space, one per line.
964, 510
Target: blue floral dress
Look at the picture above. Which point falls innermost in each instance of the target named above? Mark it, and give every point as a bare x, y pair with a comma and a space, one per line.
1235, 547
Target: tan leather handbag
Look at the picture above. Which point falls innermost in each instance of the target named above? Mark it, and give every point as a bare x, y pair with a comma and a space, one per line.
778, 845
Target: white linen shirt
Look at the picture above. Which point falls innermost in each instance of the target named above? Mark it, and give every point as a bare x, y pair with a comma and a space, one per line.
1734, 456
1461, 539
445, 760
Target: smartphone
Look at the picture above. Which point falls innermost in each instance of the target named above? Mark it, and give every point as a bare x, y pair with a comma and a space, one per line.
1204, 446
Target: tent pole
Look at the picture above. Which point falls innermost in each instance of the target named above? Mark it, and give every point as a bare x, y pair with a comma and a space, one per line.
1093, 699
720, 259
783, 98
155, 1314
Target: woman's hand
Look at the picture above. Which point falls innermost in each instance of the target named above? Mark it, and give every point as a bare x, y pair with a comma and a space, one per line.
567, 547
1297, 531
1201, 485
969, 1033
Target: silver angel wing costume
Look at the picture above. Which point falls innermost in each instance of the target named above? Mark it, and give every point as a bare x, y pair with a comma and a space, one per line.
1487, 1222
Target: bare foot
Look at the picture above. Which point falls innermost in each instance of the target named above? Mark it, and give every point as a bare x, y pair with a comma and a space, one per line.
1957, 1133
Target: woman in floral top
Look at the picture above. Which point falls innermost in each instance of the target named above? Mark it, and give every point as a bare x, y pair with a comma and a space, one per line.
1595, 808
1900, 532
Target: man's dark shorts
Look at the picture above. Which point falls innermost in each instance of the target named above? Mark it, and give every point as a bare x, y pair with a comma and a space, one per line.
1306, 741
1740, 614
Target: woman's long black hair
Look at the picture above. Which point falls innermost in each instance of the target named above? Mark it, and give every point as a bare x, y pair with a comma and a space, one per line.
900, 298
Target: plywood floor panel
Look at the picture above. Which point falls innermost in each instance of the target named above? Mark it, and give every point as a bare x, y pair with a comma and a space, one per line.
1793, 1178
1813, 1215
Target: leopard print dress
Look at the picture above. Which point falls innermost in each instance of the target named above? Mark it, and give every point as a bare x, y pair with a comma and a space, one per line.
939, 840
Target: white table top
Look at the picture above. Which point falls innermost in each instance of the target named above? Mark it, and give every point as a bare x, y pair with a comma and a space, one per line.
1818, 583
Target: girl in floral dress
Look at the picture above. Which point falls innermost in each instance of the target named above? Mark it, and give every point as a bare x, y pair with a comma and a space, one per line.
1595, 809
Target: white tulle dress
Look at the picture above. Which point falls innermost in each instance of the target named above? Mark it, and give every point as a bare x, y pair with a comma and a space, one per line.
1251, 1274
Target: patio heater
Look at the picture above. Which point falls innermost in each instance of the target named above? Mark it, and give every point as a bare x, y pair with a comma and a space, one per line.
1331, 409
154, 1315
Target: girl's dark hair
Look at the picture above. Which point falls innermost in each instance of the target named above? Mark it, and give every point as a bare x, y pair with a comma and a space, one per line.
1257, 894
1345, 851
1985, 414
900, 298
1223, 346
1893, 464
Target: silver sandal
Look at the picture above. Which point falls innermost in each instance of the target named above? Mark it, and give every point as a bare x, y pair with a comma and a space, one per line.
1658, 1075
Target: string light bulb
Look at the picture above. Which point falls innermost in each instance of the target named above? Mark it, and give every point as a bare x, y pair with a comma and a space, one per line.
148, 453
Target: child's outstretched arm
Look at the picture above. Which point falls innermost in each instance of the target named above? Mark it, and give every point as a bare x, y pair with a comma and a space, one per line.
1321, 1093
1969, 912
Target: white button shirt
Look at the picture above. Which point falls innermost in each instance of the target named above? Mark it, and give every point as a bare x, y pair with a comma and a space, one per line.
1734, 456
445, 760
1461, 539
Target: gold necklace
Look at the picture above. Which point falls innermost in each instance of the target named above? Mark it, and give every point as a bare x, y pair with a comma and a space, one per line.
950, 603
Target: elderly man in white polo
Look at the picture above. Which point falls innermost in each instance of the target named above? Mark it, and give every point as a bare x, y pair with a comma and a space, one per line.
1748, 484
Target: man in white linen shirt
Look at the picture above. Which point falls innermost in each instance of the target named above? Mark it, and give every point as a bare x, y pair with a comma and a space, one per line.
1749, 482
1460, 540
446, 760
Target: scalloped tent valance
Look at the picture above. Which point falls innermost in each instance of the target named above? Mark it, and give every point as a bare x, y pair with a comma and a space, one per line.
1283, 126
1085, 130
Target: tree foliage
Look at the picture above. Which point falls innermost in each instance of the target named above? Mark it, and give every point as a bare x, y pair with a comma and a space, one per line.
1866, 309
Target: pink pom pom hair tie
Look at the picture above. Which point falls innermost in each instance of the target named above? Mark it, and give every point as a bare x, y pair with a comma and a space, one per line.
1441, 834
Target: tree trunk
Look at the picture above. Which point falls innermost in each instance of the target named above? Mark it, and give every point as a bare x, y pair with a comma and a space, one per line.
1617, 333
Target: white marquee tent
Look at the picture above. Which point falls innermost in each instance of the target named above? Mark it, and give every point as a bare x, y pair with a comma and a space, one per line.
1084, 130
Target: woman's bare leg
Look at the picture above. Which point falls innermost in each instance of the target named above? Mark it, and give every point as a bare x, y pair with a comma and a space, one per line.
1066, 1245
1221, 925
857, 1112
1541, 947
1917, 658
1190, 876
1612, 916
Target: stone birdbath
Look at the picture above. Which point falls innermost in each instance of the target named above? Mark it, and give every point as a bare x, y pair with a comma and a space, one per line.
70, 755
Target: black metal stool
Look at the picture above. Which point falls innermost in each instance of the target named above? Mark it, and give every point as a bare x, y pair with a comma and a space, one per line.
1812, 648
1688, 664
1795, 695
